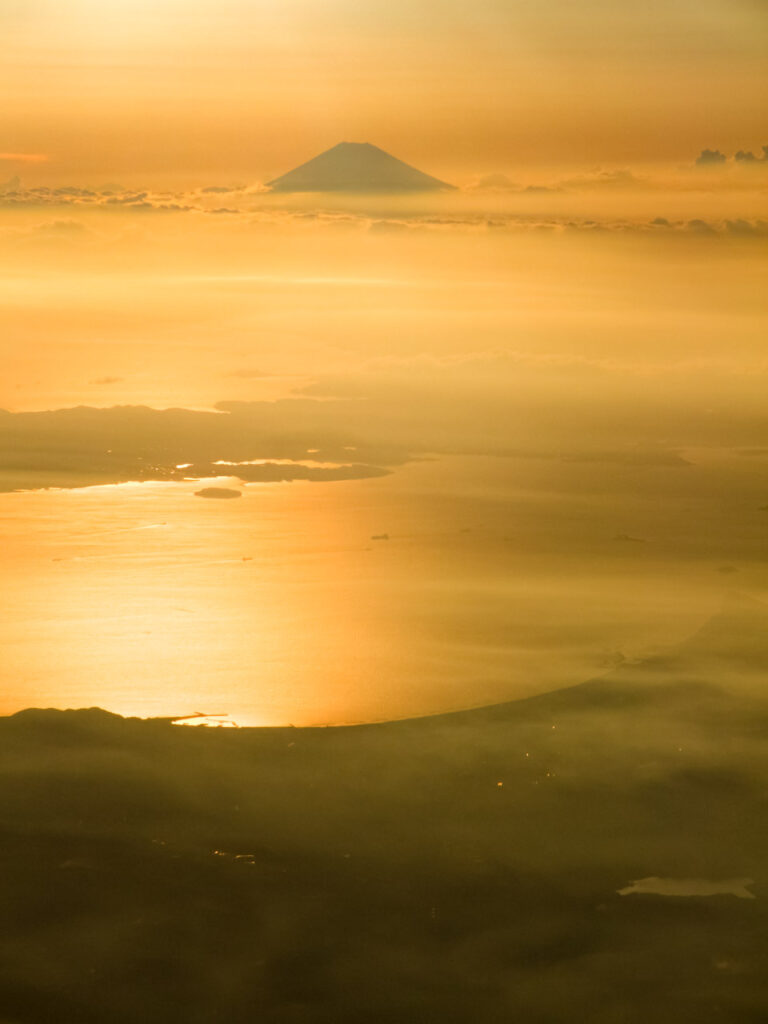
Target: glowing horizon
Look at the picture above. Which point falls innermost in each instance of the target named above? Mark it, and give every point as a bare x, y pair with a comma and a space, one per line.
183, 92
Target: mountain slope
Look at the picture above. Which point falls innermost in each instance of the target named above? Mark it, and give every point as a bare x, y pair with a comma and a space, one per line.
356, 167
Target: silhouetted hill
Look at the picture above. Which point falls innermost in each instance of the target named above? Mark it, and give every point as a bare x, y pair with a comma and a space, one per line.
356, 167
457, 868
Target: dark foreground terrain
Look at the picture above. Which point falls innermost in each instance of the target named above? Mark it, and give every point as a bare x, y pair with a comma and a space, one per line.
458, 868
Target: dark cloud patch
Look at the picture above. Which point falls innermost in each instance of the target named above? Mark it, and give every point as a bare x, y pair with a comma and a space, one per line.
615, 226
459, 216
71, 192
710, 157
221, 493
107, 199
747, 229
128, 198
700, 227
748, 157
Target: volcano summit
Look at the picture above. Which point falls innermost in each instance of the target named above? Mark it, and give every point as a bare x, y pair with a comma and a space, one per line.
356, 167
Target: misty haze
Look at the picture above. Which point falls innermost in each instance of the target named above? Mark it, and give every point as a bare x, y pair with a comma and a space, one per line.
384, 510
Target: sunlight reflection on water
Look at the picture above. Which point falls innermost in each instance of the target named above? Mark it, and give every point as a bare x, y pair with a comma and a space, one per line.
280, 608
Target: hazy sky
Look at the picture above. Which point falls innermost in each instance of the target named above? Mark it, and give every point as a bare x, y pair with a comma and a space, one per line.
558, 423
476, 443
191, 88
276, 458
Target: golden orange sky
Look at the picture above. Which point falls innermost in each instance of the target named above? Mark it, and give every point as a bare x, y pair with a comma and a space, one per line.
480, 443
179, 91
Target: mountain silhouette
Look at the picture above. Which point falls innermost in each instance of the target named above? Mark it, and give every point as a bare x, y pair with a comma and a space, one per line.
356, 167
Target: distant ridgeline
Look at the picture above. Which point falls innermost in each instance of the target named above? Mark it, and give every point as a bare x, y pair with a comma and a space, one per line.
356, 167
